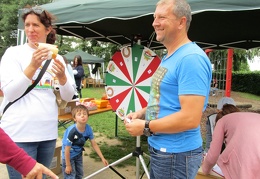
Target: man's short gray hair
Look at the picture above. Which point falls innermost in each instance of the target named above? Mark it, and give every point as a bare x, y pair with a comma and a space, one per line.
181, 8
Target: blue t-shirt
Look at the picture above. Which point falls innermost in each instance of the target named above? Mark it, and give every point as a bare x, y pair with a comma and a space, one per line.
186, 72
72, 137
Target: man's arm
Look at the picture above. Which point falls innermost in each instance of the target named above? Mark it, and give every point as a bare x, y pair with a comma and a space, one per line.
187, 118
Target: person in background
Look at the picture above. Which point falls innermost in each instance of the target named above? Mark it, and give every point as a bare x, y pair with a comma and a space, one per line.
31, 122
16, 157
178, 96
78, 72
214, 86
210, 124
69, 67
70, 70
73, 143
241, 157
226, 109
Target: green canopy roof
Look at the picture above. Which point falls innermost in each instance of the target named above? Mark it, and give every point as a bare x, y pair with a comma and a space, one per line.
216, 23
86, 58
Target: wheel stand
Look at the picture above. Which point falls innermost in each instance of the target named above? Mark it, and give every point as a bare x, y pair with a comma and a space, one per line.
138, 153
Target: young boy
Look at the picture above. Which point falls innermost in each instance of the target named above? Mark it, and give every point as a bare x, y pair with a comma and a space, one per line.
73, 142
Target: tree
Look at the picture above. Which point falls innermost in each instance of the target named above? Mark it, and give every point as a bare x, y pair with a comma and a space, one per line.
240, 60
66, 44
9, 21
218, 59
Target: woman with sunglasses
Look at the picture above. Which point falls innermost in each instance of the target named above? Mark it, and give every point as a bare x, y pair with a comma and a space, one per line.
31, 122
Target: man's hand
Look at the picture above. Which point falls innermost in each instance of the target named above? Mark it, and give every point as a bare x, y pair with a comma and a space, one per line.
136, 127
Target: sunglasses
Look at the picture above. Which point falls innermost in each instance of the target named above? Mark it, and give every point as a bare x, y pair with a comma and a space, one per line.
37, 10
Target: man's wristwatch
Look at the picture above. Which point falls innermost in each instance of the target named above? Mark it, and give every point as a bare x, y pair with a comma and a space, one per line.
147, 131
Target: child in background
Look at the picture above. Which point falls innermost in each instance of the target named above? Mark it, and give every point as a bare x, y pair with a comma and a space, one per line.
73, 142
214, 86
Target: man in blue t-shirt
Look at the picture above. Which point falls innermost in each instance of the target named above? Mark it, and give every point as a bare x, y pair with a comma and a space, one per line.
178, 96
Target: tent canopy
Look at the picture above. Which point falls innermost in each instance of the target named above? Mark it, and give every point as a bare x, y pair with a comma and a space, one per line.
215, 24
86, 58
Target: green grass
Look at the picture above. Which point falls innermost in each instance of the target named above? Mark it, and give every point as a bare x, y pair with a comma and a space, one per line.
103, 124
93, 92
249, 96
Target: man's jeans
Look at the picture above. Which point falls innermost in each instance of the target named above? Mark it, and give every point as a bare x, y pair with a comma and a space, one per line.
175, 165
42, 152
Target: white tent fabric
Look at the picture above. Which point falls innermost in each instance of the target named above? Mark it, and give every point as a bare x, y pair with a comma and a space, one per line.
95, 76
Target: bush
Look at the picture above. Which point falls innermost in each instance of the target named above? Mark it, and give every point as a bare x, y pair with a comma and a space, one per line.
248, 82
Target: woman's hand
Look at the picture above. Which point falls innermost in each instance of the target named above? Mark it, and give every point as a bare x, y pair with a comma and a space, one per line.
37, 172
59, 71
39, 55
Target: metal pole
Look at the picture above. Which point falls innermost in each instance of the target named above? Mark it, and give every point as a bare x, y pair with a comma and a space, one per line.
229, 72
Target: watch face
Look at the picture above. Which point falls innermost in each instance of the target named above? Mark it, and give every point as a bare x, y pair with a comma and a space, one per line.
147, 132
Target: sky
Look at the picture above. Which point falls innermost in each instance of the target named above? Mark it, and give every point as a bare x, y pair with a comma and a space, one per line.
254, 64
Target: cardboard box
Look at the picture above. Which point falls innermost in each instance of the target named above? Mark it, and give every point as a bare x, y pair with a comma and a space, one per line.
55, 166
68, 108
100, 103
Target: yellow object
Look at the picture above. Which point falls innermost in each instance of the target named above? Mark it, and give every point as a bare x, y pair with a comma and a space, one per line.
52, 48
100, 103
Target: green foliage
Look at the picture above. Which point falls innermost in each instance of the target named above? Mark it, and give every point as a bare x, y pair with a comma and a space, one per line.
66, 43
240, 60
219, 59
242, 81
247, 82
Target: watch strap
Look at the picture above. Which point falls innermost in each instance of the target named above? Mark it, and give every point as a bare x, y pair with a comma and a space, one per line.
147, 122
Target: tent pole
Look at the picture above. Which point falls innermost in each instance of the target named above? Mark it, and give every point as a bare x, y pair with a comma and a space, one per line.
229, 72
